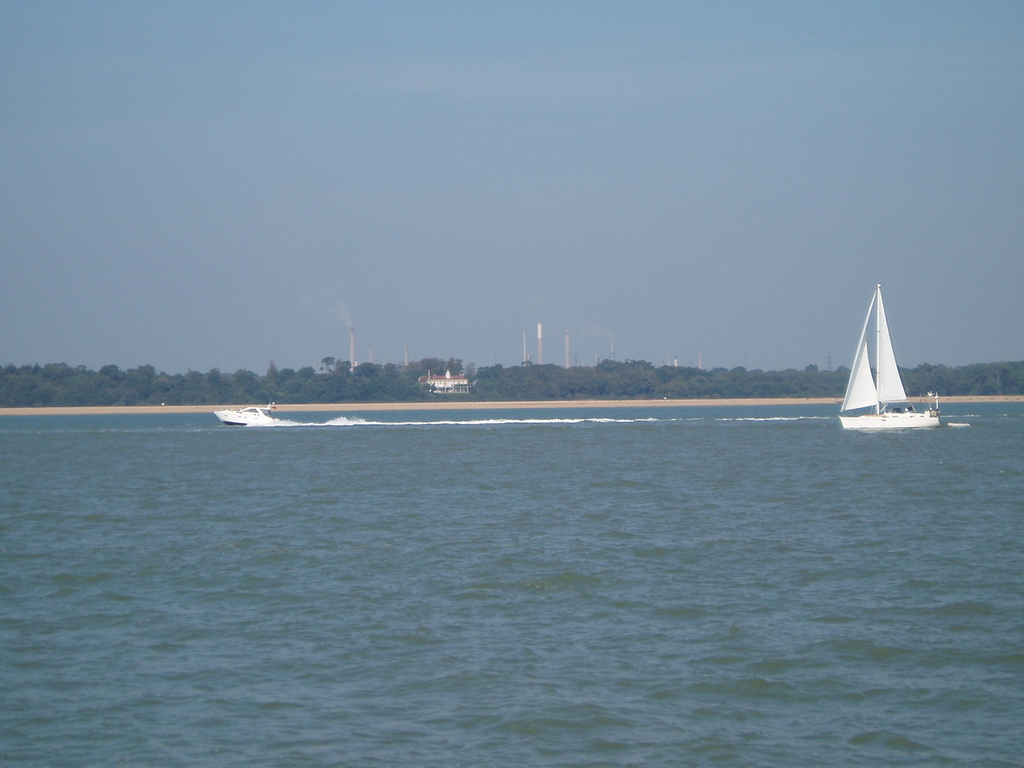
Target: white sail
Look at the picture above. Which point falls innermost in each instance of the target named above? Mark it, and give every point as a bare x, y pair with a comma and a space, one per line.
860, 391
890, 386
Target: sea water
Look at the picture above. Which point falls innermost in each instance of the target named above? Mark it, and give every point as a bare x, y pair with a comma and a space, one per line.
649, 587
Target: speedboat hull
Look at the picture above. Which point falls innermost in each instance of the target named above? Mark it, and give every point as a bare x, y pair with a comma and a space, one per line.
246, 417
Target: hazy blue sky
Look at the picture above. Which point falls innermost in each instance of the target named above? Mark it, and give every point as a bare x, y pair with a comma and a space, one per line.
199, 185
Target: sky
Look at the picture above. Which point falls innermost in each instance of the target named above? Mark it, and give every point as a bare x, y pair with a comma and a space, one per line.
225, 184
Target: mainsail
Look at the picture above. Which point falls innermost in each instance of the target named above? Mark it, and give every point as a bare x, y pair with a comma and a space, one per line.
890, 386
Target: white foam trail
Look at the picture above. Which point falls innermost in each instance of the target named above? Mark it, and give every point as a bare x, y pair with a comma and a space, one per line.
344, 421
341, 421
479, 422
774, 418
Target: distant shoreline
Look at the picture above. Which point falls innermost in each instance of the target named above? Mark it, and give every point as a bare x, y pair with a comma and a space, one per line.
474, 406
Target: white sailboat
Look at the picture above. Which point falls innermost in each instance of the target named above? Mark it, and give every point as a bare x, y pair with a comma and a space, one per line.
880, 388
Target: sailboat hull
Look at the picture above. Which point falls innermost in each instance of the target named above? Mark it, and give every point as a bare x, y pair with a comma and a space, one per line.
891, 420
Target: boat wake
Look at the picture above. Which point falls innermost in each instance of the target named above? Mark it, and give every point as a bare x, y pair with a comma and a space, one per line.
776, 418
344, 421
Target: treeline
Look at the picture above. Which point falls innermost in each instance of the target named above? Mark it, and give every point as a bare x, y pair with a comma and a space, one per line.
59, 384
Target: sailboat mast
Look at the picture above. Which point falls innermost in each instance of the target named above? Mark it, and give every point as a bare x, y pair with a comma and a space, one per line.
878, 346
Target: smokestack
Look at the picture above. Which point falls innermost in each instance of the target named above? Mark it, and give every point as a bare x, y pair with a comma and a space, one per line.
540, 344
352, 347
566, 349
406, 355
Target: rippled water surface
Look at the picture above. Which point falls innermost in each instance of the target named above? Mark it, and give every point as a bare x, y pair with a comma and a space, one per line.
650, 587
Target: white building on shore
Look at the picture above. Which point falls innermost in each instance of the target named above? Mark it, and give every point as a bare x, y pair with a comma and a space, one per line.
446, 384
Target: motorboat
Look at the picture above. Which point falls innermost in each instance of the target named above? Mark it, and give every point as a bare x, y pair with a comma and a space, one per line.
252, 416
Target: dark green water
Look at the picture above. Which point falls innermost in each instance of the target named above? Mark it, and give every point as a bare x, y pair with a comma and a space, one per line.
652, 587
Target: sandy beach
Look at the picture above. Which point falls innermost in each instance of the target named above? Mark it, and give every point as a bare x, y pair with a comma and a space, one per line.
473, 406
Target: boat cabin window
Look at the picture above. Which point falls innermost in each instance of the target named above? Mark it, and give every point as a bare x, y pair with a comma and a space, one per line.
902, 408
